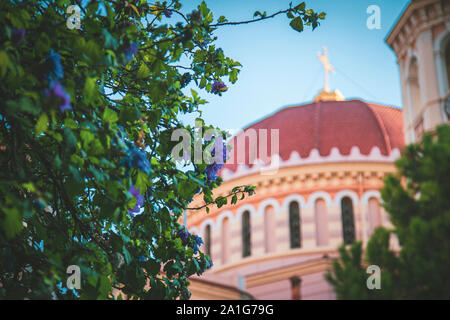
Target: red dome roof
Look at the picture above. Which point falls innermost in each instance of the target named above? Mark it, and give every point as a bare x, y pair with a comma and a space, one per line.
324, 125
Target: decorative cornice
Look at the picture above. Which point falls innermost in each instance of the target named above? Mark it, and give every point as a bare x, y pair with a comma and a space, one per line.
314, 158
409, 26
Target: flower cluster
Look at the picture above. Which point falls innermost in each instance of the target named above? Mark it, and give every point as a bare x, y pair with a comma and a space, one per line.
140, 160
58, 91
218, 87
136, 158
197, 243
139, 200
167, 13
184, 235
55, 72
17, 35
54, 65
214, 168
131, 51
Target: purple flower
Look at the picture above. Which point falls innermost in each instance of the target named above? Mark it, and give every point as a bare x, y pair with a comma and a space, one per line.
197, 243
55, 67
140, 160
131, 51
183, 235
17, 35
198, 240
214, 168
210, 264
167, 13
58, 91
218, 87
139, 200
135, 158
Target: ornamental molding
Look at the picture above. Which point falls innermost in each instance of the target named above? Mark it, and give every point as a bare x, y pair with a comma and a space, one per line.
314, 158
419, 17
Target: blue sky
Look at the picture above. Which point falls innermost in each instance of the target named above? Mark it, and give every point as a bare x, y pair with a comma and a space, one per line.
280, 65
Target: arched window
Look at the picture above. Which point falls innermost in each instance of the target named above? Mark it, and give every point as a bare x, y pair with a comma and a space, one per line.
294, 225
321, 221
374, 214
246, 236
207, 239
225, 240
415, 98
269, 229
348, 221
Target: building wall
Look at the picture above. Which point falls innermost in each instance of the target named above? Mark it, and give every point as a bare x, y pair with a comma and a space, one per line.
307, 185
420, 39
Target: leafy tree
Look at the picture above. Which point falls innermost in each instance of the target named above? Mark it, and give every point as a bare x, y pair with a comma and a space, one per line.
417, 199
87, 176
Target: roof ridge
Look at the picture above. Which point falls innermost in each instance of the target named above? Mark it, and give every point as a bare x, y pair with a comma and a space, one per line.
384, 106
380, 123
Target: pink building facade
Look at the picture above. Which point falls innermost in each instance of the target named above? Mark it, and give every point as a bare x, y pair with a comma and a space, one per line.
279, 243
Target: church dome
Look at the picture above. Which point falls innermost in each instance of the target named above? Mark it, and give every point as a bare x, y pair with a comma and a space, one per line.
327, 125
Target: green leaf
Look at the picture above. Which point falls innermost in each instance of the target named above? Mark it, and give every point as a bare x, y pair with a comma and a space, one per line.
297, 24
126, 255
300, 7
110, 41
42, 123
143, 72
129, 114
4, 63
12, 222
187, 188
110, 115
142, 181
90, 89
24, 104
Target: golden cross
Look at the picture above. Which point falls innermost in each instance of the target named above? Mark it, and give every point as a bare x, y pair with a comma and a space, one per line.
327, 66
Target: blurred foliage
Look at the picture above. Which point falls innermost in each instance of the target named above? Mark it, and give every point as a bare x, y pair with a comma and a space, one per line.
417, 200
86, 118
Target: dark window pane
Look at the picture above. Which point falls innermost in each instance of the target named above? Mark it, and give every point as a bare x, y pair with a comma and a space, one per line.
208, 240
348, 222
246, 248
294, 225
